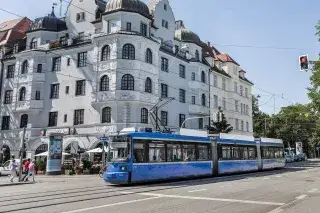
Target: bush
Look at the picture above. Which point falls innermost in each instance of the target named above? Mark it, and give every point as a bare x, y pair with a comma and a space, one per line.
40, 165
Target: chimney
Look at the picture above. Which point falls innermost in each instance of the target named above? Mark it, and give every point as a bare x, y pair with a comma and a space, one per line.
208, 43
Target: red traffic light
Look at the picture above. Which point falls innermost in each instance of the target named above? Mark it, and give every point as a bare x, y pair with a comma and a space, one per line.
304, 63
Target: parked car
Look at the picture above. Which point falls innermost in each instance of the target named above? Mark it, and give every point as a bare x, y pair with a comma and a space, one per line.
5, 169
289, 158
302, 157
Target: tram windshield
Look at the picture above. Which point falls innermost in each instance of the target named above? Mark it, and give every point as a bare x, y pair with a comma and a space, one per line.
120, 146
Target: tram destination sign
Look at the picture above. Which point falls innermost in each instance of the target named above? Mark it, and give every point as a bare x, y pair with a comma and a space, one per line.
213, 136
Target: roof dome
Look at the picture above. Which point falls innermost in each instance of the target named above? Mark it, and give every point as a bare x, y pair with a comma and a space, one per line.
49, 23
185, 35
134, 6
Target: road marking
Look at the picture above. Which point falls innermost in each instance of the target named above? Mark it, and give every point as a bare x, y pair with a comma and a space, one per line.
266, 178
198, 190
214, 199
112, 204
313, 190
277, 210
278, 176
301, 197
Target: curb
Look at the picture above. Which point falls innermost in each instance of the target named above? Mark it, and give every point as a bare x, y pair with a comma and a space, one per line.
15, 184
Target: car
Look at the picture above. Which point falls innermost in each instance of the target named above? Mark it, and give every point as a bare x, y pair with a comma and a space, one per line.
5, 169
289, 158
302, 157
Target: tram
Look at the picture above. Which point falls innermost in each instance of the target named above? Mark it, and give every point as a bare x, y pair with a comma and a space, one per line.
148, 156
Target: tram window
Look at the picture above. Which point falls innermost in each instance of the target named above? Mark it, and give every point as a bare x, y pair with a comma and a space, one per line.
226, 153
139, 152
203, 152
189, 152
174, 152
244, 151
252, 153
235, 153
156, 152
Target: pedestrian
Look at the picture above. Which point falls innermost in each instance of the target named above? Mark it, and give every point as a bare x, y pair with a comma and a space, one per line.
13, 169
26, 169
31, 171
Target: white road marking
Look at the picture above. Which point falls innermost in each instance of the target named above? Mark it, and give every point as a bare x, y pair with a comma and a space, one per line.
214, 199
278, 176
266, 178
301, 197
313, 190
198, 190
111, 204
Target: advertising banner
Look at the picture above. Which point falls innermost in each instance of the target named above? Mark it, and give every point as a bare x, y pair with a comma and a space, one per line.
54, 155
299, 149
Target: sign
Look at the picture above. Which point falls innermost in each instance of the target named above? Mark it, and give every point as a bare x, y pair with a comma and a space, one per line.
104, 139
54, 155
299, 148
214, 136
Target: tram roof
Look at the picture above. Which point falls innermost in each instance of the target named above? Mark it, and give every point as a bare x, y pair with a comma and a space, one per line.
167, 136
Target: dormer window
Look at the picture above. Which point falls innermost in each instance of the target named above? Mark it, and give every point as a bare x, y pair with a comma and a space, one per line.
15, 48
165, 24
165, 6
33, 44
241, 73
81, 17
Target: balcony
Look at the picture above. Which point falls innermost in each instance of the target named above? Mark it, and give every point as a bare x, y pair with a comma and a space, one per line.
27, 106
198, 85
30, 77
198, 110
69, 42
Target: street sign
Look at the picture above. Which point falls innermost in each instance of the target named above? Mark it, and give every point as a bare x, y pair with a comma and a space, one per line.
213, 136
103, 139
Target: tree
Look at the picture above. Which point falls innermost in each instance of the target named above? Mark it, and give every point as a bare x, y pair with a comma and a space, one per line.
260, 119
221, 124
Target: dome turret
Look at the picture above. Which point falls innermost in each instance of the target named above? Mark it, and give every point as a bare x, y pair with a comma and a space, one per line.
185, 35
134, 6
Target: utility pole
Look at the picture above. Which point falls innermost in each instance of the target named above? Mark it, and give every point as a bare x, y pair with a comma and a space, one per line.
21, 152
265, 127
157, 126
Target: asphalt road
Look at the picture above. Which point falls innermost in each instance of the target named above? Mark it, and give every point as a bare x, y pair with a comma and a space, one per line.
290, 190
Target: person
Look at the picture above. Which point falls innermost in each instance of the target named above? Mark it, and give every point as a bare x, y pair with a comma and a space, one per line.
13, 169
26, 169
31, 170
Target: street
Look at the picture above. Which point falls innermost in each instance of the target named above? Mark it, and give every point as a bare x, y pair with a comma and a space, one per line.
294, 189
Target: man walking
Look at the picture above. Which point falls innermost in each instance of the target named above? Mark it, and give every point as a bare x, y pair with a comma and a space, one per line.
31, 171
13, 169
26, 170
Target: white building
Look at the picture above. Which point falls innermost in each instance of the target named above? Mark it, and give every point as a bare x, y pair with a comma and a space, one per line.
106, 66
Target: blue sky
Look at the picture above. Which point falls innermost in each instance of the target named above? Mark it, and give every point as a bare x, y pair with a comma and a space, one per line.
240, 28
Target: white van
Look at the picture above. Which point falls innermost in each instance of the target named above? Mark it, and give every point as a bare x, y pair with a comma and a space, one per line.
5, 169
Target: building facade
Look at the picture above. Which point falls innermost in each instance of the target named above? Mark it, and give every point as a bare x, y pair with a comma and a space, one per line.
107, 66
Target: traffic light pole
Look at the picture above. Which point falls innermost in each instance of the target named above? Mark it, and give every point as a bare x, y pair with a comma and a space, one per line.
21, 152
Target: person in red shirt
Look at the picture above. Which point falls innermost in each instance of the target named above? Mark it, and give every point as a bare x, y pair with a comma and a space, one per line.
26, 169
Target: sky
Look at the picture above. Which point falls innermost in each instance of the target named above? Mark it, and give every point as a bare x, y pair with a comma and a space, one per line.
265, 37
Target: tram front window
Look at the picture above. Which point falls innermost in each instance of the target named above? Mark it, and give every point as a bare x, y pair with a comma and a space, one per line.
120, 146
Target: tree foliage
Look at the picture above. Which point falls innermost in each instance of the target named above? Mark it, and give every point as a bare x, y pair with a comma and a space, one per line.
221, 124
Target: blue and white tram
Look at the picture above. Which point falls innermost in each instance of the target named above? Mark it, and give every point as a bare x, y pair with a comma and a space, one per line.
145, 156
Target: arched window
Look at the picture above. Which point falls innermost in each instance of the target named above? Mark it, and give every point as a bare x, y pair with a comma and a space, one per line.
33, 43
149, 56
144, 116
203, 100
127, 82
203, 77
25, 67
197, 55
148, 85
104, 83
105, 53
128, 52
106, 115
24, 121
22, 94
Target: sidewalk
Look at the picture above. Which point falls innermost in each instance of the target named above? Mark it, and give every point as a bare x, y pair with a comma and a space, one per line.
4, 181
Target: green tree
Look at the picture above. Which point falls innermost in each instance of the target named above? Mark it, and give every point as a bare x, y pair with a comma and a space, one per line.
260, 119
221, 124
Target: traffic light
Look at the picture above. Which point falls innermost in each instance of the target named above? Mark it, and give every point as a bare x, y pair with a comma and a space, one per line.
304, 63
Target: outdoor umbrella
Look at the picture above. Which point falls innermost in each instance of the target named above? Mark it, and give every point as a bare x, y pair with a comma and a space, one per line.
46, 154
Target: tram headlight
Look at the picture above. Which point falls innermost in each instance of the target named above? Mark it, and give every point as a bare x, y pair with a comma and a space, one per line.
123, 168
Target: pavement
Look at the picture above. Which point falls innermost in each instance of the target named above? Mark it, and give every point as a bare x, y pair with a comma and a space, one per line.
290, 190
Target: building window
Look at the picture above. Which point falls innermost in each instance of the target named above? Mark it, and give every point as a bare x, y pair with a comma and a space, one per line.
81, 36
148, 85
215, 101
165, 7
82, 59
5, 125
39, 68
67, 89
224, 105
165, 24
54, 92
33, 44
53, 119
241, 90
65, 118
176, 49
143, 29
247, 125
37, 95
164, 64
164, 118
16, 48
56, 64
63, 41
182, 95
236, 105
144, 116
81, 17
246, 92
235, 87
182, 118
8, 97
242, 126
200, 123
127, 82
25, 67
182, 71
10, 71
247, 109
237, 124
149, 56
215, 81
203, 100
164, 91
193, 99
22, 94
128, 52
106, 115
241, 108
78, 117
193, 76
223, 83
203, 77
128, 26
24, 121
105, 53
68, 61
104, 83
81, 87
197, 55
